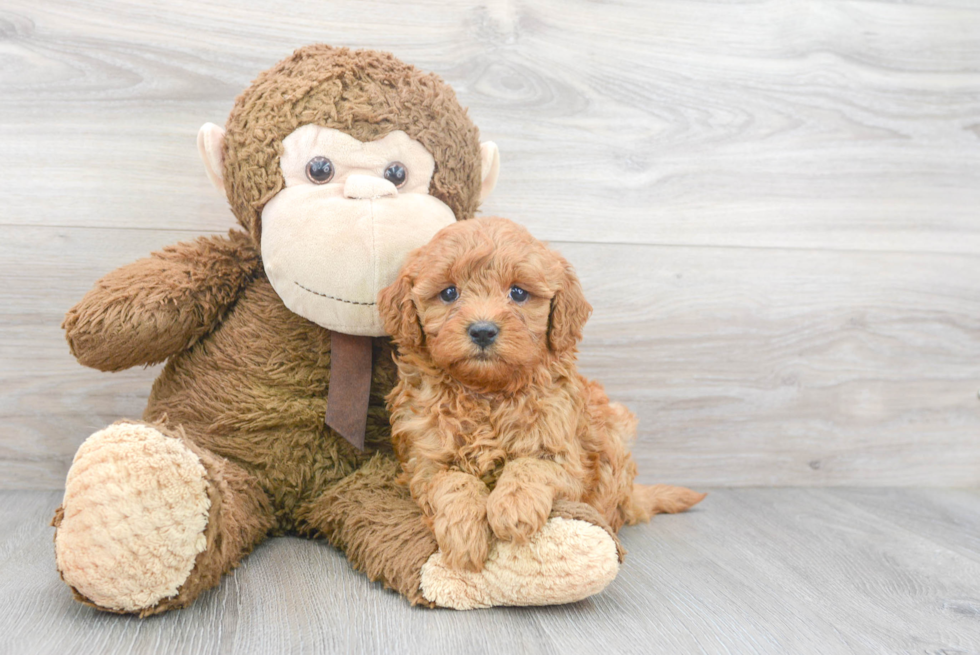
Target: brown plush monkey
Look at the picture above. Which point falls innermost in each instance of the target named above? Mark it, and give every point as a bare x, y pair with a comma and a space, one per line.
336, 163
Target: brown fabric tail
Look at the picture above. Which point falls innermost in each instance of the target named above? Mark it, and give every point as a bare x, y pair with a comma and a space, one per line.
350, 386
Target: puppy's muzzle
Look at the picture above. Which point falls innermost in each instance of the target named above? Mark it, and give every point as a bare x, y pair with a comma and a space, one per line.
483, 333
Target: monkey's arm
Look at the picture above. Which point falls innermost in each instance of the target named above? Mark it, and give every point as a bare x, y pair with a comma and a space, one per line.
155, 307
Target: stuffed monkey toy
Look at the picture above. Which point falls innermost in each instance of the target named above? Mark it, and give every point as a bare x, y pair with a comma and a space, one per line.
269, 415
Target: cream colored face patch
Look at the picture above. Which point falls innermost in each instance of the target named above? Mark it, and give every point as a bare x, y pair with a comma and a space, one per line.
352, 157
345, 222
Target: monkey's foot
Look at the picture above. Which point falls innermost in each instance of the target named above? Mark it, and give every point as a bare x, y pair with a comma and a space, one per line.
133, 517
566, 561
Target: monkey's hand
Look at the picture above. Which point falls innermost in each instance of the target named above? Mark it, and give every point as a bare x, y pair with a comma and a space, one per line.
153, 308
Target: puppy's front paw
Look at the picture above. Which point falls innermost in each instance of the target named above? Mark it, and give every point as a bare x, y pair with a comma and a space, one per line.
515, 512
463, 539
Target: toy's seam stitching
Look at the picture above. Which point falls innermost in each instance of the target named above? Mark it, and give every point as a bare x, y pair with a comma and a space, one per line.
349, 302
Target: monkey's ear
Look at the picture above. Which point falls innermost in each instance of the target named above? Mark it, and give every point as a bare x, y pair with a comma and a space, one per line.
210, 145
398, 313
490, 166
569, 312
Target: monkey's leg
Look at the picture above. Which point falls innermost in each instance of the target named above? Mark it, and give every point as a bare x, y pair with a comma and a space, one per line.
150, 520
378, 525
573, 556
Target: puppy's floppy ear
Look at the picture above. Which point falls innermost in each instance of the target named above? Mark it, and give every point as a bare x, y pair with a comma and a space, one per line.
398, 312
569, 311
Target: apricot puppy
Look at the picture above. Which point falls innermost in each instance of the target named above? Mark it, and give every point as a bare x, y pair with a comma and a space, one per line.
490, 419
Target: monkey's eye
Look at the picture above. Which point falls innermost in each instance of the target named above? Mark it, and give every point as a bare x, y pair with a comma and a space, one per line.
449, 294
396, 174
319, 170
518, 294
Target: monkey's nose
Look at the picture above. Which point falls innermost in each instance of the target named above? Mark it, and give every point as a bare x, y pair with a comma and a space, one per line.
483, 333
368, 187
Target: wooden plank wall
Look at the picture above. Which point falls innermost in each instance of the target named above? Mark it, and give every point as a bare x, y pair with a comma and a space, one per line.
774, 206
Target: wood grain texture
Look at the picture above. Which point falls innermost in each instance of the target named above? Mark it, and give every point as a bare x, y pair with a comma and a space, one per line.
773, 205
796, 124
742, 367
748, 571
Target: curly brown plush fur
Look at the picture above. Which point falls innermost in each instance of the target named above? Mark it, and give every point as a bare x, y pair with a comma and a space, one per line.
245, 385
365, 93
244, 389
491, 430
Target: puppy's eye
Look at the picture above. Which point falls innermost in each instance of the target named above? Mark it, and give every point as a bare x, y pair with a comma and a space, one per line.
449, 294
518, 294
396, 174
319, 170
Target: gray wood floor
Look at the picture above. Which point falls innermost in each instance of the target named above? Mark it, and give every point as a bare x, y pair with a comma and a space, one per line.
749, 571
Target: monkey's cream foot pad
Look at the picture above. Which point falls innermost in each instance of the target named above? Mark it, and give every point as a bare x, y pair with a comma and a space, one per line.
566, 561
135, 509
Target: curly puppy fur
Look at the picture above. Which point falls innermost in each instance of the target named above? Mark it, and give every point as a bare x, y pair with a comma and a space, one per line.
491, 436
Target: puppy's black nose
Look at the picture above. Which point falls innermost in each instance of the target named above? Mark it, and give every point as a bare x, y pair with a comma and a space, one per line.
483, 333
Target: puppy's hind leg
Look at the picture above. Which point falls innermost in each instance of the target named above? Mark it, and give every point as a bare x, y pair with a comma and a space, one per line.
645, 500
660, 499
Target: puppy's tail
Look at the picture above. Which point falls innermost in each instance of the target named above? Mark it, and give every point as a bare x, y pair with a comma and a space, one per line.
661, 499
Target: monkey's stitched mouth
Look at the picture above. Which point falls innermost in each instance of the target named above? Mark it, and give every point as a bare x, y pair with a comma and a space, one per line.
323, 295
